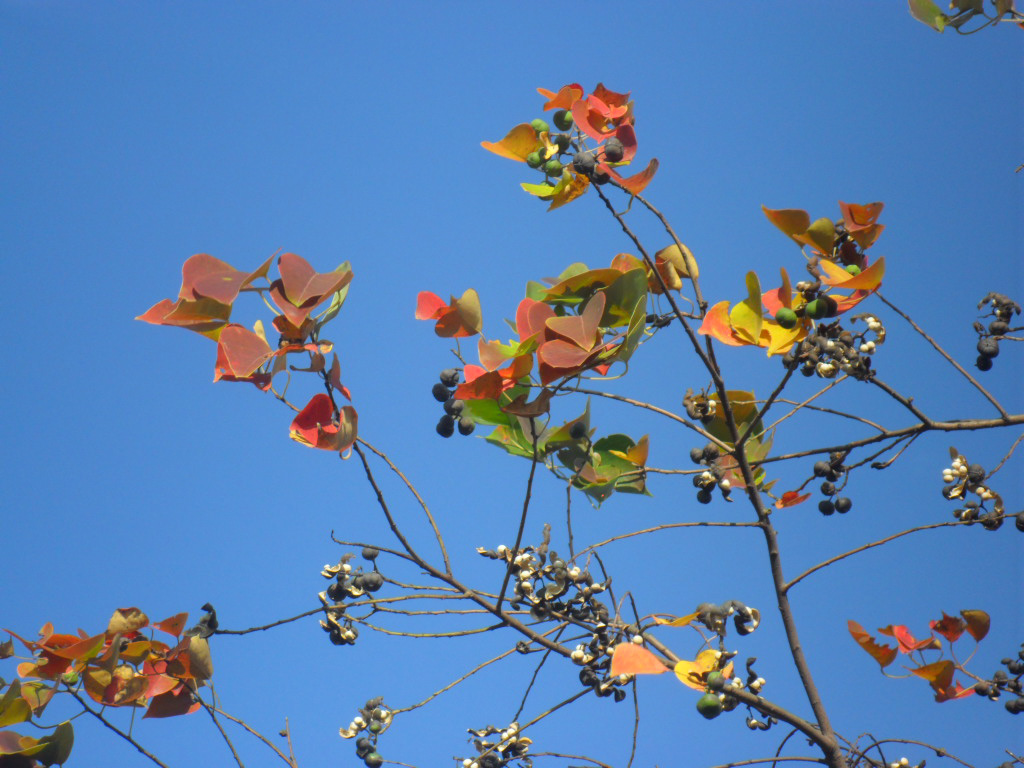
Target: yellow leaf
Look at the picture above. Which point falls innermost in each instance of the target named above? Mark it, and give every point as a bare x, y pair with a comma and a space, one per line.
517, 144
745, 317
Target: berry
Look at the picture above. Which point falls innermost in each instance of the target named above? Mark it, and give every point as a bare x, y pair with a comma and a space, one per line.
578, 431
563, 119
370, 553
1020, 521
540, 126
563, 141
600, 177
375, 726
466, 425
371, 582
704, 496
786, 318
975, 473
983, 363
709, 706
826, 507
584, 163
553, 167
843, 505
534, 160
715, 680
831, 306
450, 377
440, 392
364, 746
711, 452
453, 407
816, 309
373, 760
613, 150
696, 455
821, 468
828, 488
446, 426
853, 269
988, 348
998, 327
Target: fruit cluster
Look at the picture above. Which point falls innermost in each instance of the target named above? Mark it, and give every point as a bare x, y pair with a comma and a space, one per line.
348, 582
495, 753
831, 349
713, 476
562, 149
1008, 681
962, 480
443, 392
1001, 309
543, 581
833, 471
373, 719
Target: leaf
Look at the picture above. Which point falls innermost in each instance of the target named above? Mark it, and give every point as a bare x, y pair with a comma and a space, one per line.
203, 276
883, 654
14, 709
566, 193
791, 221
678, 621
906, 642
950, 627
517, 144
939, 673
977, 623
564, 99
745, 317
459, 318
861, 222
716, 324
791, 499
693, 674
173, 703
301, 288
126, 620
204, 316
58, 745
928, 13
632, 659
867, 280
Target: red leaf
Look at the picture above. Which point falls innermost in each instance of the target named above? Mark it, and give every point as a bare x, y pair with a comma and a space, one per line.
174, 625
309, 425
950, 627
203, 276
240, 352
633, 659
906, 641
301, 288
178, 701
204, 316
860, 222
791, 499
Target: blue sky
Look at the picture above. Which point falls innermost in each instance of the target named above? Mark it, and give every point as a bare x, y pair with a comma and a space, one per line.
138, 134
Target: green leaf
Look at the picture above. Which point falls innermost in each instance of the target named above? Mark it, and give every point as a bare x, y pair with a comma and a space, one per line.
928, 13
58, 745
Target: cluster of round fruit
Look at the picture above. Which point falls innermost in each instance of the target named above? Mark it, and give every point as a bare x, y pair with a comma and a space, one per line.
700, 407
542, 580
495, 753
444, 392
832, 471
348, 582
832, 349
706, 481
716, 697
714, 617
549, 158
1008, 681
373, 719
1002, 309
961, 479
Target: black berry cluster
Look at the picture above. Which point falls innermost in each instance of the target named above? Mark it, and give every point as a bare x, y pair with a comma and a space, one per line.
1001, 309
509, 746
349, 582
831, 349
552, 588
444, 392
833, 474
366, 727
967, 483
711, 478
1006, 681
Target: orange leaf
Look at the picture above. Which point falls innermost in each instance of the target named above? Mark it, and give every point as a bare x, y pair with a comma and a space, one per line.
791, 499
790, 220
633, 659
517, 144
883, 654
716, 324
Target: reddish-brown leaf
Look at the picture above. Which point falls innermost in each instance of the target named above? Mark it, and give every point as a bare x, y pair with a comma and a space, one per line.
791, 499
633, 659
883, 654
950, 627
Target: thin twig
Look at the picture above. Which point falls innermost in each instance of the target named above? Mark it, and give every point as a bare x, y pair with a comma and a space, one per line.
237, 720
115, 729
210, 711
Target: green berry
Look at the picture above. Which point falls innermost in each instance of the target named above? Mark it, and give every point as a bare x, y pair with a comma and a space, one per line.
563, 119
715, 681
534, 160
709, 706
853, 269
553, 167
816, 309
375, 726
373, 760
540, 126
786, 318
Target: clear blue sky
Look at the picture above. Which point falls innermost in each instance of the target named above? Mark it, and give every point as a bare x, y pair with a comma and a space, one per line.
137, 134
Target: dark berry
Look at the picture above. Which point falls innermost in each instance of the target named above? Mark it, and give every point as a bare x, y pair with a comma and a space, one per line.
584, 162
440, 392
828, 488
540, 126
983, 363
975, 473
821, 468
446, 426
600, 177
831, 306
563, 119
370, 553
453, 407
563, 141
704, 496
578, 431
613, 150
988, 348
711, 452
998, 327
696, 455
843, 505
826, 507
450, 377
364, 746
466, 425
1019, 521
371, 582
